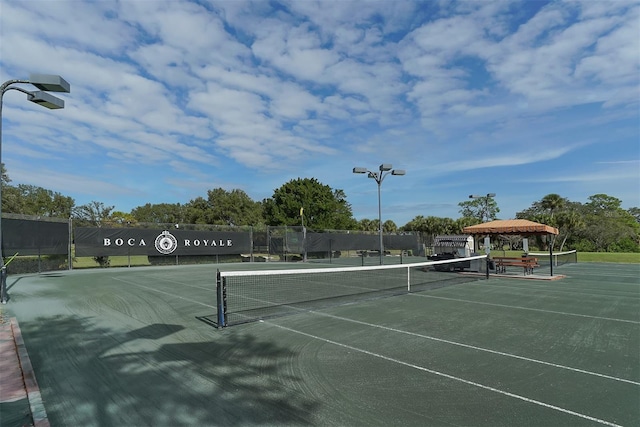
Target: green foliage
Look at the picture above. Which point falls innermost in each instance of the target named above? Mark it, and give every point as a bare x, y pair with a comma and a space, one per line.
94, 213
483, 208
389, 226
122, 219
224, 207
161, 213
600, 225
434, 226
373, 225
37, 201
323, 208
5, 177
368, 224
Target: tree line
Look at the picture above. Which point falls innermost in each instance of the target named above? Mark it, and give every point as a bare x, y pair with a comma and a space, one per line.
599, 225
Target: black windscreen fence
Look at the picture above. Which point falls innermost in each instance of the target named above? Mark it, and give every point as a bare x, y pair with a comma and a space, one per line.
32, 237
93, 241
324, 242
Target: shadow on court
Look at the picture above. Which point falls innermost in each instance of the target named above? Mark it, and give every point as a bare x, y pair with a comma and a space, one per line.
93, 375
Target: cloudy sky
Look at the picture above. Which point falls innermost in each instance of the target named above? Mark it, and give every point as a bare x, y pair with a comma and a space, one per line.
172, 98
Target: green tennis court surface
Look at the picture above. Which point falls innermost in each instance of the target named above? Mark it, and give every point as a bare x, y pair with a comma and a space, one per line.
125, 347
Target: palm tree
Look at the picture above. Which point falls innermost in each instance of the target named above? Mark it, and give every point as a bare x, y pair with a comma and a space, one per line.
552, 203
569, 223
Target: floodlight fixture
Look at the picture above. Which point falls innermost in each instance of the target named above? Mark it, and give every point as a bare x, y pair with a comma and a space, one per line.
385, 167
398, 172
474, 196
49, 83
46, 100
360, 170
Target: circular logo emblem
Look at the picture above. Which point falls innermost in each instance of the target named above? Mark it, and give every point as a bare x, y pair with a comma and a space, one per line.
166, 243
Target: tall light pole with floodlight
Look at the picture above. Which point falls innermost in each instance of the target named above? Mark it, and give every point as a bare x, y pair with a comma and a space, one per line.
46, 83
384, 170
485, 199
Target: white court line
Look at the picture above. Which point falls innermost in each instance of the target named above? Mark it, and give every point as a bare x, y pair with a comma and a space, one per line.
414, 334
451, 377
174, 295
571, 291
528, 308
473, 347
189, 285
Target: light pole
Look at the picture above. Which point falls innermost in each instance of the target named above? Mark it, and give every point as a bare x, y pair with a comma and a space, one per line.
486, 199
46, 83
384, 170
486, 203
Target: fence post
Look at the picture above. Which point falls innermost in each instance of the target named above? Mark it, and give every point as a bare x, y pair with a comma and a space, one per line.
70, 256
3, 284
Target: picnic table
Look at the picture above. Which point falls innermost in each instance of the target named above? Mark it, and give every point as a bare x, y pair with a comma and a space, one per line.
526, 263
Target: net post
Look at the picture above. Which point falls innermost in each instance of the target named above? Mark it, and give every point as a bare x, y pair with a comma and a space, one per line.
409, 279
221, 303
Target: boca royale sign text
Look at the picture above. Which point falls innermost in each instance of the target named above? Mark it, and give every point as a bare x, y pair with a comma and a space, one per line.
93, 241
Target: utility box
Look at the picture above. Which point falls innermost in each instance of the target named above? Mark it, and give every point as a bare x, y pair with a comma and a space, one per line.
460, 245
451, 247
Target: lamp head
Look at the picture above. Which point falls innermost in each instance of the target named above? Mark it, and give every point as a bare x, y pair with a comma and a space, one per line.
360, 170
46, 100
49, 83
385, 167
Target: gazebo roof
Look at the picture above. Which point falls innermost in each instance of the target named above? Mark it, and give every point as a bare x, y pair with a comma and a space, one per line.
511, 226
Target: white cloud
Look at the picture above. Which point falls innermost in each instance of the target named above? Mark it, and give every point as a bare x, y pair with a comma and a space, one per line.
257, 92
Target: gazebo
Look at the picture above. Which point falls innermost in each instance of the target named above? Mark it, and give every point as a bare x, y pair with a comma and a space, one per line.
513, 226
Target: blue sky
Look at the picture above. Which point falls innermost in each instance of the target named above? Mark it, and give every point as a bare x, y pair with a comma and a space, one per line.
172, 98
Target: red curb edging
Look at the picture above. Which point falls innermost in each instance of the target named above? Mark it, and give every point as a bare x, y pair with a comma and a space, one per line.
38, 413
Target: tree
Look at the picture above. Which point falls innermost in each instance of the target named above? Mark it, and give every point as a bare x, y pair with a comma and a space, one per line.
324, 208
368, 224
569, 223
552, 203
607, 225
432, 225
122, 219
37, 201
463, 222
389, 226
602, 203
598, 225
483, 208
161, 213
93, 213
5, 176
223, 207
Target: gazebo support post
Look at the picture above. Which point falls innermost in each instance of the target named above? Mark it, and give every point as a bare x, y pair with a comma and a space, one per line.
550, 254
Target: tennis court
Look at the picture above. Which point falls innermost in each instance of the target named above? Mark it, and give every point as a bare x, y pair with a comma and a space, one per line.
125, 347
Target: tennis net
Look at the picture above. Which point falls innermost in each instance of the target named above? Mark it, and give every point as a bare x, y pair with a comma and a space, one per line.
558, 258
246, 296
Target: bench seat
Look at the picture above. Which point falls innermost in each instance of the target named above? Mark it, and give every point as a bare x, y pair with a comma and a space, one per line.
526, 263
